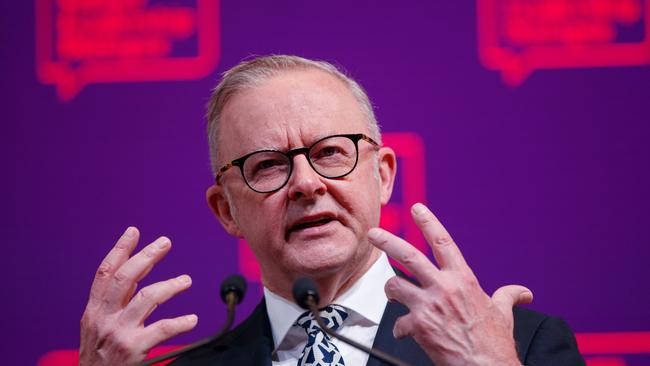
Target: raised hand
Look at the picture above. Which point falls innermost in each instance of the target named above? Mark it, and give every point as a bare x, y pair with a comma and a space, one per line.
112, 326
451, 317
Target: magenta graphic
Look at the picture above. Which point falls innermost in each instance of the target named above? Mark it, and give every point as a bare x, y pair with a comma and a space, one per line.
517, 37
599, 349
79, 42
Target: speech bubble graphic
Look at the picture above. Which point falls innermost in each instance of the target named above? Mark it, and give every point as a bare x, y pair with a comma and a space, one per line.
518, 37
79, 42
410, 188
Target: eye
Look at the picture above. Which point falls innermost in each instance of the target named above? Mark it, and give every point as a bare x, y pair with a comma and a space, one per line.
328, 151
268, 164
265, 164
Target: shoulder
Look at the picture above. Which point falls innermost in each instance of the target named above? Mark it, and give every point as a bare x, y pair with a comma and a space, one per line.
544, 340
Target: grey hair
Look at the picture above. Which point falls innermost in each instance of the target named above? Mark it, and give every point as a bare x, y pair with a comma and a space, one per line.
252, 72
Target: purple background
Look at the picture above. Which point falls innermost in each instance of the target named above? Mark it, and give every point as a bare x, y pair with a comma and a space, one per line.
544, 185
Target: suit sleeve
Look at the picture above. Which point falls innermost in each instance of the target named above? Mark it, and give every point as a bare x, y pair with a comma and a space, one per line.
553, 344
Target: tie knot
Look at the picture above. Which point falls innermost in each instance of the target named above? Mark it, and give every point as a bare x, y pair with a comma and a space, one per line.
332, 316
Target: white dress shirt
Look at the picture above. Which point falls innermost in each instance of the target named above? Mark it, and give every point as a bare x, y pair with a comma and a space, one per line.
365, 302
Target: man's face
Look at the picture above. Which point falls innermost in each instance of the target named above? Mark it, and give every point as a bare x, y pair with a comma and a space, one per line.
313, 225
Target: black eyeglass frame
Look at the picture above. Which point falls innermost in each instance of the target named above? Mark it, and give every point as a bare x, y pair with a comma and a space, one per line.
239, 162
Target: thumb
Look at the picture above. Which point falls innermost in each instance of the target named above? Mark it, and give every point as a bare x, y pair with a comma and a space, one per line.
508, 296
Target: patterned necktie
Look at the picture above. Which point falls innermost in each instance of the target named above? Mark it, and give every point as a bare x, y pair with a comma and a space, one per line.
320, 351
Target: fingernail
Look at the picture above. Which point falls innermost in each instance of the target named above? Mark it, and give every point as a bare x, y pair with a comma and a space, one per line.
163, 243
192, 318
130, 231
419, 209
185, 279
526, 296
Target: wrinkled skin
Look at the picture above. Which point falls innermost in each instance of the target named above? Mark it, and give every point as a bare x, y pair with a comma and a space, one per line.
112, 326
451, 317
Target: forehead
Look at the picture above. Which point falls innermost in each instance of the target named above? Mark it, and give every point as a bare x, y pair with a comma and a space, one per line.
289, 110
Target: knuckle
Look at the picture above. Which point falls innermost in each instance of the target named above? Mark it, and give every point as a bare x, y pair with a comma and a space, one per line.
417, 326
104, 270
447, 292
457, 291
146, 294
467, 282
121, 277
443, 240
122, 343
149, 295
87, 322
408, 258
167, 327
150, 252
464, 281
380, 237
427, 218
122, 244
472, 284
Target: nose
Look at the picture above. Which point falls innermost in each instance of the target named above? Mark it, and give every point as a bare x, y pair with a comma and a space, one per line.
304, 181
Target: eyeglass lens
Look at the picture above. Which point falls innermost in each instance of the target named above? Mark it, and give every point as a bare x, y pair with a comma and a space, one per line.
269, 170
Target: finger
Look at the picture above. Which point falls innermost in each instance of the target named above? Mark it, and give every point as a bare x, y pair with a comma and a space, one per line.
147, 299
406, 254
508, 296
126, 277
403, 291
404, 327
114, 259
164, 329
443, 247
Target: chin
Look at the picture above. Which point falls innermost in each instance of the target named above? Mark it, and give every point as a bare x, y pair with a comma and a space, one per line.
321, 262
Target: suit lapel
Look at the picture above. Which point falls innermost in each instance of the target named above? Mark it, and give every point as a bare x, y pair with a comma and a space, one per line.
405, 349
252, 344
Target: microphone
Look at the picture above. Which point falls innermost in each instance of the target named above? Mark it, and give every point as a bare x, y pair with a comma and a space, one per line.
305, 293
233, 289
233, 285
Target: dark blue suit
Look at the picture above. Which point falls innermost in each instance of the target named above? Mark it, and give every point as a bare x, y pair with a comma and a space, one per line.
541, 340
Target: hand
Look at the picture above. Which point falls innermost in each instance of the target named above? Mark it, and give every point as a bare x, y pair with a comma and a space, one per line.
112, 326
451, 317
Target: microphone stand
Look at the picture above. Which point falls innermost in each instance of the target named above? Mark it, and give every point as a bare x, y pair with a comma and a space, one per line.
313, 307
231, 300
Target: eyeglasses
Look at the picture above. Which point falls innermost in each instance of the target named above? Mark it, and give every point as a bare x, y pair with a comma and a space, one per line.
331, 157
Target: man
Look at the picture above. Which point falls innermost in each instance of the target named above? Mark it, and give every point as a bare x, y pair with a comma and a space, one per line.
301, 175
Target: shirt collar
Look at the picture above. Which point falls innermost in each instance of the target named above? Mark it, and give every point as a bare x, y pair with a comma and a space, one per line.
366, 298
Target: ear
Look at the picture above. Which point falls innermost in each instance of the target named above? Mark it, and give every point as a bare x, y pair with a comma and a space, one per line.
387, 162
218, 202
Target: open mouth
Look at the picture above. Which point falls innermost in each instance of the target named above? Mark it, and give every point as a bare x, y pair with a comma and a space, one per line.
314, 223
310, 222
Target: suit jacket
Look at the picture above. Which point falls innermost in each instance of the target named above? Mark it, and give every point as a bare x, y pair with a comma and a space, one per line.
540, 339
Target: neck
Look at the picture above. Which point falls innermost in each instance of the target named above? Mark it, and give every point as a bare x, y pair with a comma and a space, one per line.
330, 286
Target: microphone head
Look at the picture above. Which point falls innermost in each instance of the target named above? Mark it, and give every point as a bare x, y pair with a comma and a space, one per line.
303, 289
235, 284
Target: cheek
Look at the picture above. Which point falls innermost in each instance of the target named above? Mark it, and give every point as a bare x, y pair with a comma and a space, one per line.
363, 205
264, 220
